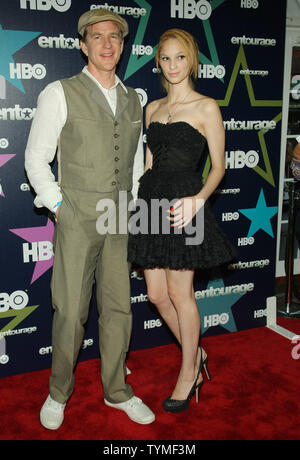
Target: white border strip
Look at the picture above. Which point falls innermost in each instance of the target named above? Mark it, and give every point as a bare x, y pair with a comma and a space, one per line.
272, 320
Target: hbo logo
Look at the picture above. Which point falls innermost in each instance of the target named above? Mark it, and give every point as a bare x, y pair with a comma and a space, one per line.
249, 4
3, 143
140, 50
27, 71
45, 5
216, 320
17, 301
211, 71
189, 9
228, 216
239, 159
245, 241
142, 95
151, 323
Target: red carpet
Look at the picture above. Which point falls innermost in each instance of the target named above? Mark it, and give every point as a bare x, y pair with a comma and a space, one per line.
253, 395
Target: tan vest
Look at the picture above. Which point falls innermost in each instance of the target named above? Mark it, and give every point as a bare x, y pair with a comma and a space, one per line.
96, 148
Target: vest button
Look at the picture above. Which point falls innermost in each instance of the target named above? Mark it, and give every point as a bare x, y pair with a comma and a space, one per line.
117, 147
117, 158
116, 171
113, 183
116, 123
116, 135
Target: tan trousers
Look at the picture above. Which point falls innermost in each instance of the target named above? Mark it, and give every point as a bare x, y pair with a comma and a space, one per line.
82, 257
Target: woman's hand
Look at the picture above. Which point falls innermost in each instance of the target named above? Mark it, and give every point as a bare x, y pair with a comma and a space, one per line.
183, 211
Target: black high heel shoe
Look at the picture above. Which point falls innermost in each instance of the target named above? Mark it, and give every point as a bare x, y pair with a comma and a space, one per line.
205, 366
180, 405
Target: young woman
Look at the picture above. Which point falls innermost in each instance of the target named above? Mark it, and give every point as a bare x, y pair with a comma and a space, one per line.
180, 129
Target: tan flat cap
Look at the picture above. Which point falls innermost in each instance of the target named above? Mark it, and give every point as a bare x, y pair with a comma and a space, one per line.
92, 16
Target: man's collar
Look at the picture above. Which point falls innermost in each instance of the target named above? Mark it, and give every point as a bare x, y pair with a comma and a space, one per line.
117, 80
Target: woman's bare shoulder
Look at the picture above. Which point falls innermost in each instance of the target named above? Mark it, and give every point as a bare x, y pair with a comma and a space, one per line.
206, 103
154, 105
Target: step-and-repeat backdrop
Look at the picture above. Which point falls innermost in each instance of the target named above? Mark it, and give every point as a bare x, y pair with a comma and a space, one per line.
241, 51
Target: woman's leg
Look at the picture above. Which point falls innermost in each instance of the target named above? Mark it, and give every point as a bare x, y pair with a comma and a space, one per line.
157, 290
181, 293
158, 293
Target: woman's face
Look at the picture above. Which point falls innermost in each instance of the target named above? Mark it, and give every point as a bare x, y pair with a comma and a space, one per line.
174, 61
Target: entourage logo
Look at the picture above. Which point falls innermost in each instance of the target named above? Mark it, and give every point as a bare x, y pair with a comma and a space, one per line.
60, 42
25, 187
17, 113
189, 9
122, 10
25, 330
243, 125
226, 191
253, 41
249, 264
259, 73
224, 290
139, 298
45, 5
48, 350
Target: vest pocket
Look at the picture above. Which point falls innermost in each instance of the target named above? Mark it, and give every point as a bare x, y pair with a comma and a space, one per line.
78, 177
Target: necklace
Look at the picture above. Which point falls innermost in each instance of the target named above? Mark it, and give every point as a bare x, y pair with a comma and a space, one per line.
170, 115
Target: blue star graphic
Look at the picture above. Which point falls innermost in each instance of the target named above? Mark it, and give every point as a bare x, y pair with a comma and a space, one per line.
260, 216
10, 42
215, 306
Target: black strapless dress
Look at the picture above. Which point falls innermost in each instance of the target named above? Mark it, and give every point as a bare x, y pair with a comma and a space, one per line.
177, 150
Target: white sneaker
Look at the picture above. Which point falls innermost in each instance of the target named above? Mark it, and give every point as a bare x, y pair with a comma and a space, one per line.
52, 414
135, 409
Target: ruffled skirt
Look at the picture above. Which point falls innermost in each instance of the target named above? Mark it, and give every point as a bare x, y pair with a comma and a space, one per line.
154, 244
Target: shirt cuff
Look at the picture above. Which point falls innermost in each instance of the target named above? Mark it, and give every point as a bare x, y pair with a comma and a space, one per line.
53, 210
49, 199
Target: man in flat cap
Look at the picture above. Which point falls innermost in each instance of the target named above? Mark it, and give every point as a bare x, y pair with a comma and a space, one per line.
96, 122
